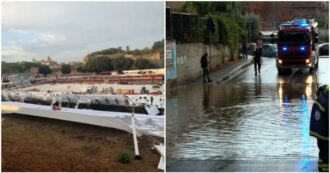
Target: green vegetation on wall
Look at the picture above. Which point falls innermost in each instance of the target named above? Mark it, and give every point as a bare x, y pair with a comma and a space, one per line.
228, 31
322, 21
232, 25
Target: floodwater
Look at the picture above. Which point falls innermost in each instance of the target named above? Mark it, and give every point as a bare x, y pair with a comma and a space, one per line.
248, 118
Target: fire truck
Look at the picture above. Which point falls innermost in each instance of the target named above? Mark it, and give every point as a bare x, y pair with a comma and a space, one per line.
297, 45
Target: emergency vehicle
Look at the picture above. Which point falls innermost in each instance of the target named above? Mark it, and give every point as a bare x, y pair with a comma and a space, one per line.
297, 45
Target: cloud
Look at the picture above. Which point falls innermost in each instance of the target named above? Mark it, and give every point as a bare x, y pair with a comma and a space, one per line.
20, 31
15, 52
69, 30
49, 38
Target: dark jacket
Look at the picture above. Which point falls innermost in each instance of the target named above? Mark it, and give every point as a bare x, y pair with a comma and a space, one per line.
204, 61
244, 46
319, 124
256, 55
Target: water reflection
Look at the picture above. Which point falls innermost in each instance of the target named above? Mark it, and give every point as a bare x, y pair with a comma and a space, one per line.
257, 85
206, 99
242, 121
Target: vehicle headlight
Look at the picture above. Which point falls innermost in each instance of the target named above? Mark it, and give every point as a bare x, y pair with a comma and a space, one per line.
307, 60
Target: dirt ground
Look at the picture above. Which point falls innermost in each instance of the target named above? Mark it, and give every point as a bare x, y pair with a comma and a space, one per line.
40, 144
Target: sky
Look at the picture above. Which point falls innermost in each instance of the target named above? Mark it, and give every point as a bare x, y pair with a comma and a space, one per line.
67, 31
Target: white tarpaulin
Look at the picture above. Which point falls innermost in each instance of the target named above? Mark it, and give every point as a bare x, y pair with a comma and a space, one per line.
145, 124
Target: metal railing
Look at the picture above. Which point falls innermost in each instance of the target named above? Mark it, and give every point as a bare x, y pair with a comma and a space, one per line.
179, 26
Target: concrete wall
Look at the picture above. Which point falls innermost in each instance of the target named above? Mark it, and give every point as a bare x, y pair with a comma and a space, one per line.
188, 60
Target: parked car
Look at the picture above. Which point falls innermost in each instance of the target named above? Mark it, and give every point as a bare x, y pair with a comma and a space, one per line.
269, 50
324, 49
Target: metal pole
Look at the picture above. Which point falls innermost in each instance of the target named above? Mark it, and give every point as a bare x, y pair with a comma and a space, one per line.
136, 147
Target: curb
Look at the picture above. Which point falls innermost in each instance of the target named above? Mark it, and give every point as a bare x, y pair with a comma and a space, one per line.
235, 71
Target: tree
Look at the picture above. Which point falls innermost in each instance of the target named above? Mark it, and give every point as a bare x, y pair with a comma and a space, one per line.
99, 64
45, 70
145, 50
204, 8
65, 68
9, 67
136, 52
228, 19
143, 63
123, 63
252, 26
105, 52
17, 66
143, 90
81, 68
158, 45
127, 48
105, 63
322, 21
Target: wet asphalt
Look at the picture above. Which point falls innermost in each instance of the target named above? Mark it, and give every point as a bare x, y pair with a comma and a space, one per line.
247, 123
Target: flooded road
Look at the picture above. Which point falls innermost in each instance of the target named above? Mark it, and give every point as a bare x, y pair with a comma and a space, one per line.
247, 118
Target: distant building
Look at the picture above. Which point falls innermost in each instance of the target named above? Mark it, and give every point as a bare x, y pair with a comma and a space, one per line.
109, 73
50, 62
274, 13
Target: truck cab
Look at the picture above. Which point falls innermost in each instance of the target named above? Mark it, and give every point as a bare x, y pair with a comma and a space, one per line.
297, 45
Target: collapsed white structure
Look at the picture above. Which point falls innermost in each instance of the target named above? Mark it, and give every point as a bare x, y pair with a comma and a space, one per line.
145, 124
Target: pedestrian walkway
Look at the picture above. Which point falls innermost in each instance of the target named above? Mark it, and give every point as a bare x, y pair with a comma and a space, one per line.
231, 69
226, 71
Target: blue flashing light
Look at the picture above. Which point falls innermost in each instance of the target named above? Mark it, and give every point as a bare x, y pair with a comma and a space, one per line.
284, 48
301, 22
302, 48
